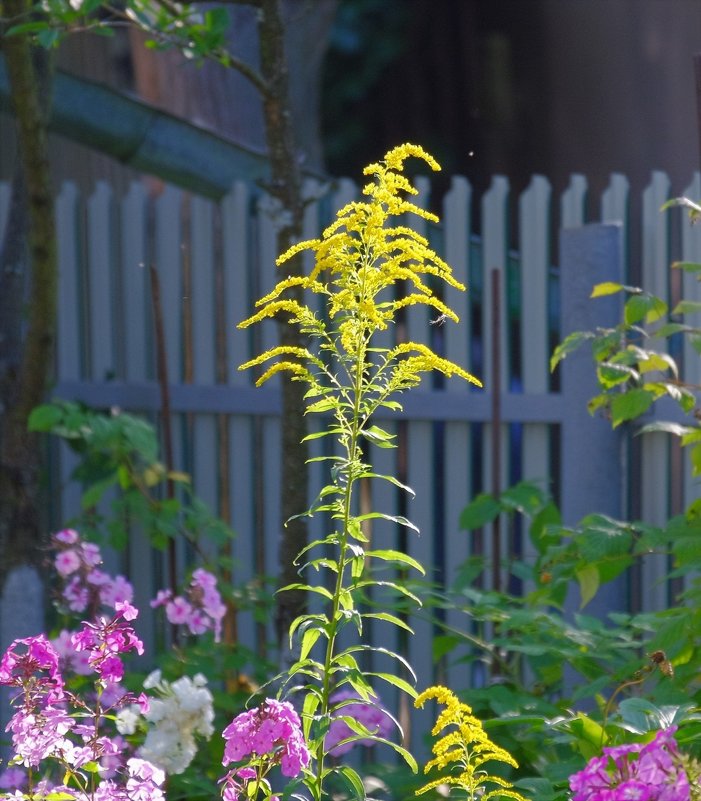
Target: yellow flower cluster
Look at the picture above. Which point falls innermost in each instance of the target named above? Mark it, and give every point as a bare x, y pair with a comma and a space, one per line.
466, 747
359, 259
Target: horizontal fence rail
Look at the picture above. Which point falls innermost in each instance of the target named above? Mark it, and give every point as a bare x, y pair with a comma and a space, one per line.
528, 286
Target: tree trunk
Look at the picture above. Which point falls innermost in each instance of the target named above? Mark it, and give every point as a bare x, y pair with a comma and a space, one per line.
27, 258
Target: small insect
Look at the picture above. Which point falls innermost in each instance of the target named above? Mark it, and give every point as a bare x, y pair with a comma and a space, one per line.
439, 320
660, 659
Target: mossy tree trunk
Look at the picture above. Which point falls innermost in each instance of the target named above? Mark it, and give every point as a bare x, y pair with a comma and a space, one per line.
28, 279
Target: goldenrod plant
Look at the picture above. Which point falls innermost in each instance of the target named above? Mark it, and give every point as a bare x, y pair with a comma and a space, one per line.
368, 266
463, 750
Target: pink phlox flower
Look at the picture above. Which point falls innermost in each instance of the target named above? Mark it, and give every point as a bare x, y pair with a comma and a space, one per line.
198, 622
67, 562
91, 554
178, 611
67, 536
76, 595
70, 660
634, 772
37, 735
145, 781
29, 659
370, 714
13, 778
105, 639
98, 578
118, 590
161, 599
274, 730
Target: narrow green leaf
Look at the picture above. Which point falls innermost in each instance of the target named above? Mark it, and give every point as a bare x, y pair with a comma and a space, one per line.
396, 681
389, 618
309, 638
397, 556
398, 519
307, 588
352, 779
694, 208
391, 479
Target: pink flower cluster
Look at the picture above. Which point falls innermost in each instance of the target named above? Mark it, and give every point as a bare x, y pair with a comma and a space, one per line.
85, 586
202, 609
370, 714
268, 735
637, 772
51, 723
104, 640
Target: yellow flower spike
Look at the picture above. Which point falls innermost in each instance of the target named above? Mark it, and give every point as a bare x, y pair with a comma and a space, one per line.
465, 749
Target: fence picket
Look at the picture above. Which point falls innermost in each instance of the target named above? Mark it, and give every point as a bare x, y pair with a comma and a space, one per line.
534, 230
573, 202
69, 336
237, 258
655, 447
456, 469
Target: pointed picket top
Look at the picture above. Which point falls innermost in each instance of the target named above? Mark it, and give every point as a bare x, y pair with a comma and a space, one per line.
238, 297
534, 233
573, 202
655, 244
615, 200
456, 238
69, 342
495, 253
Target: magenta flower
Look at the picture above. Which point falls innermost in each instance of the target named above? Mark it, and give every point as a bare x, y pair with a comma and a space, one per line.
67, 562
26, 658
636, 772
68, 536
105, 640
200, 610
370, 714
273, 732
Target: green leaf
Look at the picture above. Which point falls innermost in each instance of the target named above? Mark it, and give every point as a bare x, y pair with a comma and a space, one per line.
391, 479
352, 779
44, 418
397, 556
398, 519
694, 208
644, 307
395, 681
307, 588
379, 437
588, 578
525, 497
667, 428
482, 510
687, 307
571, 343
607, 288
687, 266
389, 618
629, 405
309, 639
93, 495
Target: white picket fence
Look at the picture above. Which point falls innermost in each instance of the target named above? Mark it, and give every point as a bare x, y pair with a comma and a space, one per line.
214, 260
